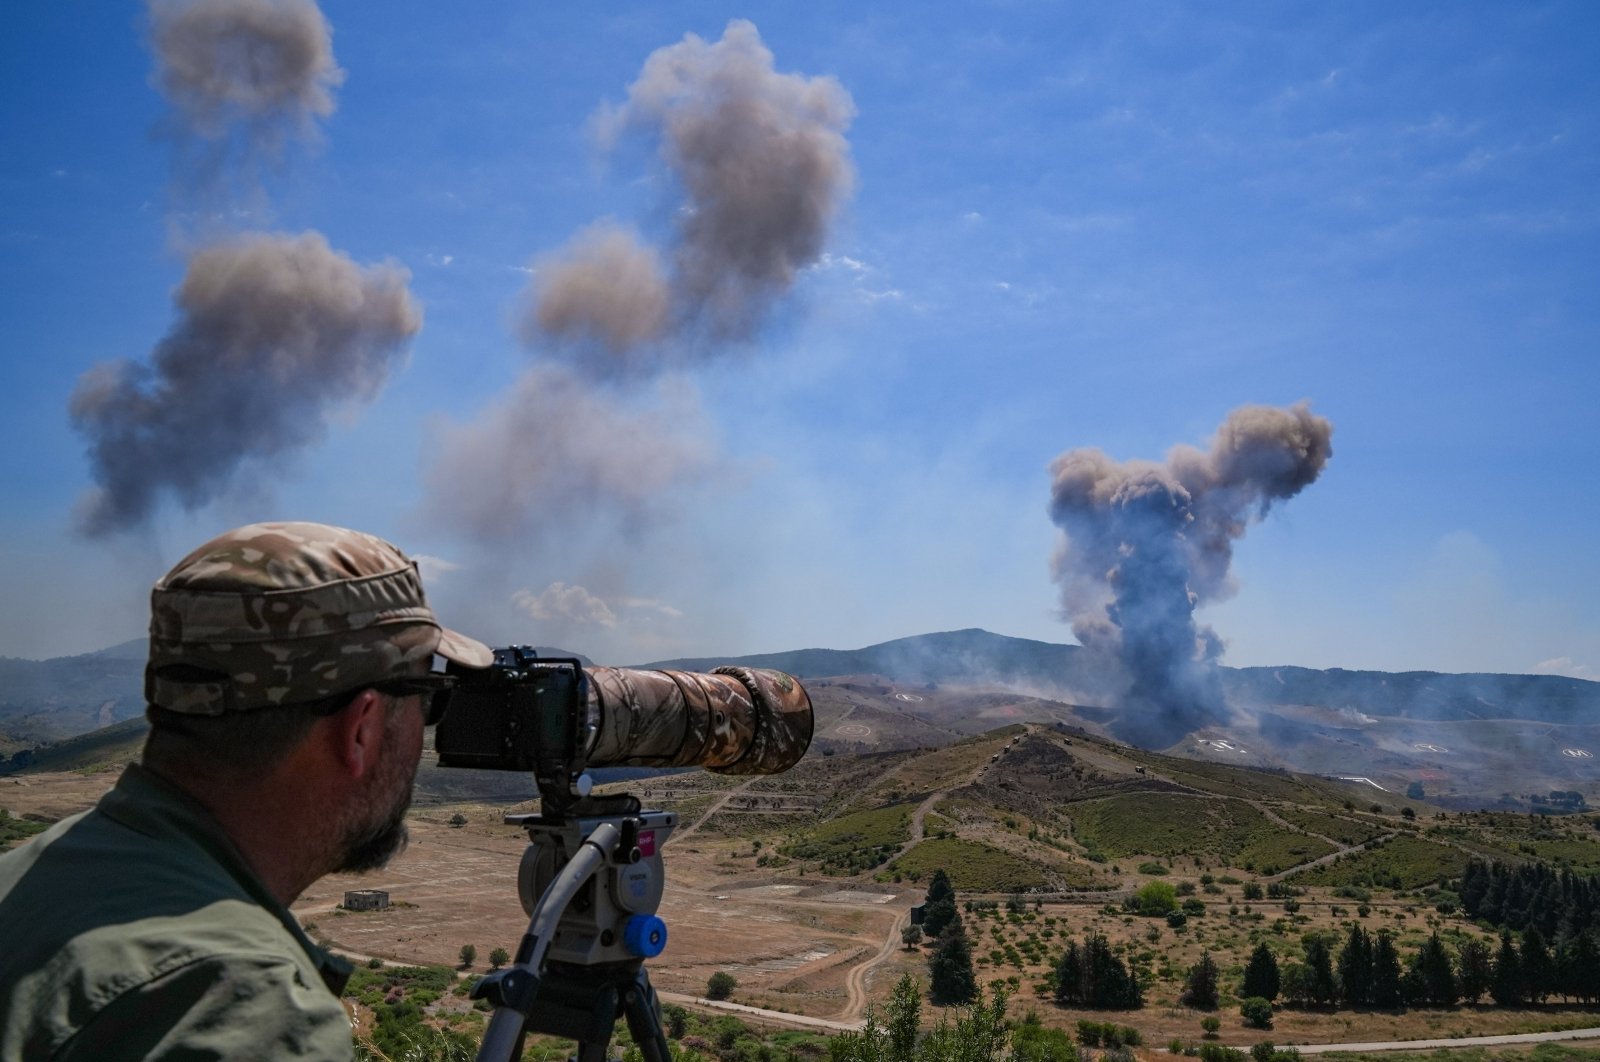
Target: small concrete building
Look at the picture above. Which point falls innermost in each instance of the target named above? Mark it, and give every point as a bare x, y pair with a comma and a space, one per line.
366, 900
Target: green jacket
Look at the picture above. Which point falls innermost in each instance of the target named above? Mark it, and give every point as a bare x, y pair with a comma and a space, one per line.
136, 930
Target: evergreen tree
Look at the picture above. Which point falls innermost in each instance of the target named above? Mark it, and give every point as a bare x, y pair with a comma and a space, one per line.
1507, 986
1110, 983
950, 977
1093, 976
1386, 972
1476, 965
1538, 968
1201, 988
1578, 967
1261, 975
939, 909
1069, 975
1431, 978
1320, 987
1355, 968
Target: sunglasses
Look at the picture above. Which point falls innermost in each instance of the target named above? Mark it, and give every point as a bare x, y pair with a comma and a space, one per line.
431, 686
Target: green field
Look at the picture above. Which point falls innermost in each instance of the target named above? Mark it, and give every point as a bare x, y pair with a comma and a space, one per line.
1344, 830
1403, 863
972, 867
1168, 824
854, 842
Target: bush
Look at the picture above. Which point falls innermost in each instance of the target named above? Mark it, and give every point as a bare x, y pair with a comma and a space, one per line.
720, 985
1256, 1012
1177, 919
1253, 890
1211, 1023
1218, 1053
1262, 1052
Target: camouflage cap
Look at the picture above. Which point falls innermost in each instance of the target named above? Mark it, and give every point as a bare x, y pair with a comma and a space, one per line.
287, 612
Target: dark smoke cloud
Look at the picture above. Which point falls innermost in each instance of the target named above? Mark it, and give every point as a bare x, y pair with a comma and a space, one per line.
1144, 544
762, 162
274, 333
265, 67
556, 453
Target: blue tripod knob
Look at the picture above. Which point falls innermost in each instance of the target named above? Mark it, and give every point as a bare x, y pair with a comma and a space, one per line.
644, 936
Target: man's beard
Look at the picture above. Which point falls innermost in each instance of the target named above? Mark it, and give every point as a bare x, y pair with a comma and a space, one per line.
370, 843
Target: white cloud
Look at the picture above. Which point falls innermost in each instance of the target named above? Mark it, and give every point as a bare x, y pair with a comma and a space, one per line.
434, 569
1564, 665
566, 604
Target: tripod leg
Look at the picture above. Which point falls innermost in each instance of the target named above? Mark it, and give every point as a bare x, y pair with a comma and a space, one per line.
643, 1011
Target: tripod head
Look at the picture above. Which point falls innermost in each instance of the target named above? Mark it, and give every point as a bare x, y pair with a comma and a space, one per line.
590, 880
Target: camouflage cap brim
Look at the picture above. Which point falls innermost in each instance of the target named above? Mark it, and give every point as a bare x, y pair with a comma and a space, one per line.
283, 613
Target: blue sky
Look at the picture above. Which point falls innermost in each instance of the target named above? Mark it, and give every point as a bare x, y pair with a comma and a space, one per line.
1071, 225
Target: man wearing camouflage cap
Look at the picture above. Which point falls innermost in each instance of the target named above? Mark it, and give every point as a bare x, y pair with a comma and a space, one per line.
287, 688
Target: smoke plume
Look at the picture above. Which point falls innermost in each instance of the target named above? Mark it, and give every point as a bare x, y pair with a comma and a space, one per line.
262, 67
762, 162
555, 452
1144, 544
606, 293
274, 333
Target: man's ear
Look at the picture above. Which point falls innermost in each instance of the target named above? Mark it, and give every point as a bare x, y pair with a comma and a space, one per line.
358, 732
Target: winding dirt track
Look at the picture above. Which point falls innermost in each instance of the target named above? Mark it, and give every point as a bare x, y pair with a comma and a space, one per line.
855, 982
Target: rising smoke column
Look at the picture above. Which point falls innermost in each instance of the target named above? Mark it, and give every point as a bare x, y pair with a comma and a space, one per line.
258, 71
557, 453
273, 334
763, 166
1144, 544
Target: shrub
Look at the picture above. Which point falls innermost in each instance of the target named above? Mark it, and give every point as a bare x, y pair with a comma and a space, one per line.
720, 985
1256, 1012
1253, 890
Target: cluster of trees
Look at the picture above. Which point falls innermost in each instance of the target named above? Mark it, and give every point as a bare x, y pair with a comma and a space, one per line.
1093, 976
1367, 972
1558, 903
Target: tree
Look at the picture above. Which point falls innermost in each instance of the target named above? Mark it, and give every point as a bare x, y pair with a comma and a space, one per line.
1538, 968
911, 936
1475, 963
1261, 974
1320, 985
1157, 898
939, 909
1386, 972
1093, 976
950, 977
1200, 990
1431, 978
469, 954
498, 958
1507, 988
1355, 968
720, 985
1211, 1023
1256, 1012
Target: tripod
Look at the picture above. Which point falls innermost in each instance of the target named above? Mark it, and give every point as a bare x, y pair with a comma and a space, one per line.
590, 881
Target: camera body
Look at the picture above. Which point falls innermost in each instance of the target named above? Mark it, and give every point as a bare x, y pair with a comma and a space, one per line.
523, 713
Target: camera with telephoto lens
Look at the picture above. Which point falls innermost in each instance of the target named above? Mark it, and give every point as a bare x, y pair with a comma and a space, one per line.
556, 718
